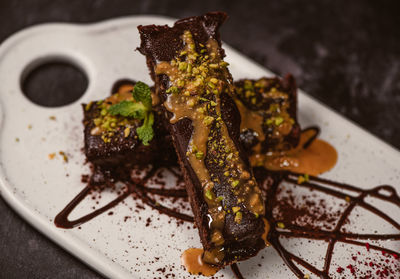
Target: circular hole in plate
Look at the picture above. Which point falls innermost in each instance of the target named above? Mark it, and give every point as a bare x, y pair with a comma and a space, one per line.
54, 83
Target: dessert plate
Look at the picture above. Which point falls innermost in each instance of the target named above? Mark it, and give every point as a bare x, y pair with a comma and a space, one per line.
128, 242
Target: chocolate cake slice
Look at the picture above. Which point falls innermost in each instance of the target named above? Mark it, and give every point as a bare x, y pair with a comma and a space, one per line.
268, 108
111, 141
195, 88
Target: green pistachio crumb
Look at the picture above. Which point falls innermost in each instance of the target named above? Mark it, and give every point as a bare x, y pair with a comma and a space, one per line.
200, 110
238, 217
172, 89
180, 83
269, 121
224, 64
199, 155
302, 178
235, 209
278, 121
189, 68
211, 85
209, 195
208, 120
103, 112
214, 80
280, 225
235, 183
127, 131
88, 106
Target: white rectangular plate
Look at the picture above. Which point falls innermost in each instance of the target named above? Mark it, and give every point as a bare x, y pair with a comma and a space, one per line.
38, 188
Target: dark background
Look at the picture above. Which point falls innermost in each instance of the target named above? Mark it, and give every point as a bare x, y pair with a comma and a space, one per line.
344, 53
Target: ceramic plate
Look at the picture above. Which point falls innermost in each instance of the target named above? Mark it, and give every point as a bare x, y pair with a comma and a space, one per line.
131, 247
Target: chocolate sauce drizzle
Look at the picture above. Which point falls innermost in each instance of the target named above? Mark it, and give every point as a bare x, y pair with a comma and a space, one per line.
138, 188
269, 182
333, 189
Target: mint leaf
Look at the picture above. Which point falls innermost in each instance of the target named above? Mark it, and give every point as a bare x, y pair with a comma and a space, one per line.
138, 109
146, 132
142, 93
128, 109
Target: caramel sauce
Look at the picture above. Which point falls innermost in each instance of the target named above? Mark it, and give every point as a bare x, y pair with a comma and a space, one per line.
192, 260
317, 158
250, 119
155, 100
197, 79
266, 231
200, 132
124, 93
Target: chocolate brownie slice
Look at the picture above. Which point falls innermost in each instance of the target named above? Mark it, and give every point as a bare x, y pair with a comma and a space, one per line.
268, 108
195, 88
111, 141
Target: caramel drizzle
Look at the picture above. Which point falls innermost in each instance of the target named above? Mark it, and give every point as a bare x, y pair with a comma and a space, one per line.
250, 119
197, 79
312, 156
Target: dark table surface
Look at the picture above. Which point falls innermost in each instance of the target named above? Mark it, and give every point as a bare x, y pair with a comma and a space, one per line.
344, 53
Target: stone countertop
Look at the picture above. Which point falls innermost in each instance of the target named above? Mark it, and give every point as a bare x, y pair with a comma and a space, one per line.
344, 53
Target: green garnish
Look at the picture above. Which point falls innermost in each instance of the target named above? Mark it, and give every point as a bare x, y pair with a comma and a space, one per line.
199, 155
235, 209
146, 132
278, 121
209, 195
280, 225
142, 93
238, 217
140, 109
235, 183
208, 120
128, 109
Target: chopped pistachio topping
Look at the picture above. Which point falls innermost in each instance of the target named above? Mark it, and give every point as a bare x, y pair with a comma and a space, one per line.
238, 217
303, 178
208, 120
127, 132
235, 209
235, 183
278, 121
199, 155
280, 225
209, 194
